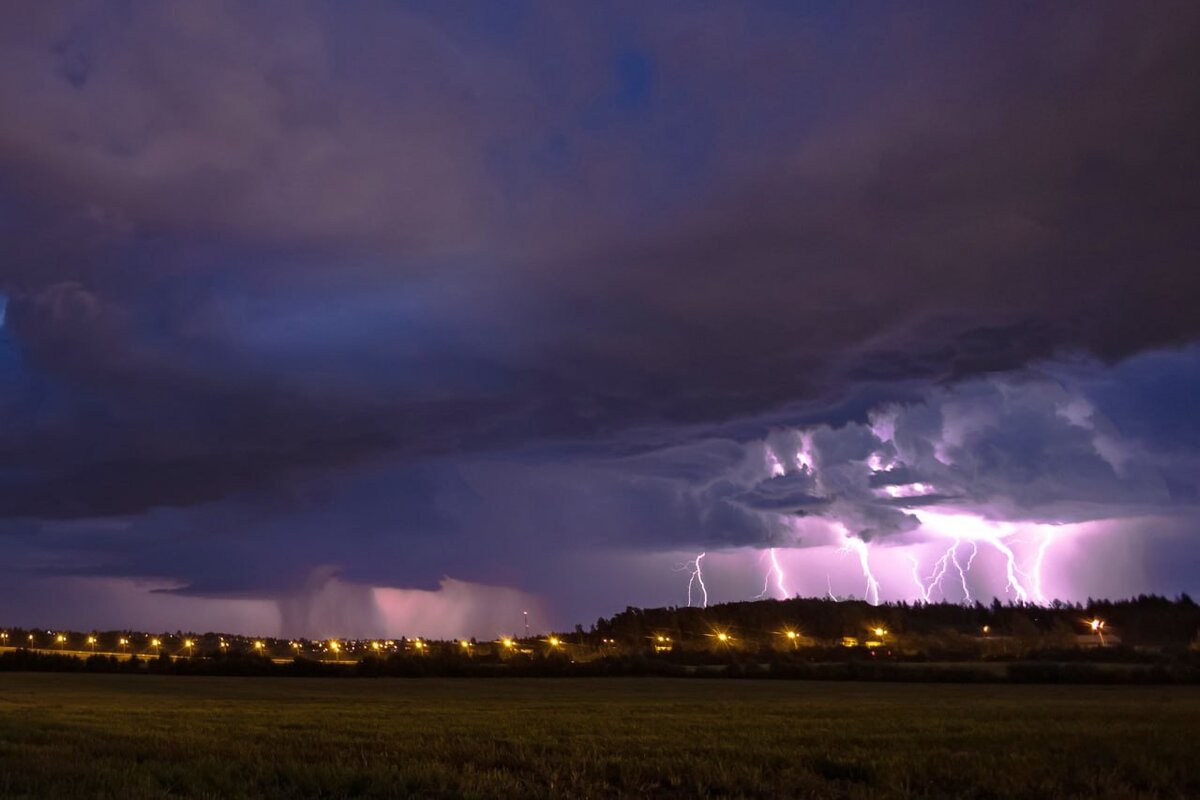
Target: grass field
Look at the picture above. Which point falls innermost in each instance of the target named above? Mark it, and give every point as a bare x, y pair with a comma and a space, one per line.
145, 736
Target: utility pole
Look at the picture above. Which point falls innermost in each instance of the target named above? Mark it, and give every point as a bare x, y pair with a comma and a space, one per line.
526, 613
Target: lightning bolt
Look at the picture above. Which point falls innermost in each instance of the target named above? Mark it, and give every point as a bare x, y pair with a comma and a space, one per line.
916, 576
965, 570
775, 571
783, 592
859, 547
1023, 578
1012, 572
939, 570
697, 578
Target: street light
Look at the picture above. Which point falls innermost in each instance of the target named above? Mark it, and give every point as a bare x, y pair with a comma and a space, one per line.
91, 640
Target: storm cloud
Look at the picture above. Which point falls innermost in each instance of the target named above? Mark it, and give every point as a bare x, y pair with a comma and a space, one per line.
431, 286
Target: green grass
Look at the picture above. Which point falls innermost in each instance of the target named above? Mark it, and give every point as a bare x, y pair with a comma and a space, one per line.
143, 736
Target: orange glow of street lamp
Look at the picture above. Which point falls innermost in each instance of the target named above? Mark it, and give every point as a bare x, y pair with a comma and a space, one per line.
723, 637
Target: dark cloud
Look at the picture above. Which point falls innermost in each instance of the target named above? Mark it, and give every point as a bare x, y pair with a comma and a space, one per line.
250, 249
784, 494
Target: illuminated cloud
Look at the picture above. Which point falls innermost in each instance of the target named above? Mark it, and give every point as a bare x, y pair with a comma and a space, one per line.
330, 607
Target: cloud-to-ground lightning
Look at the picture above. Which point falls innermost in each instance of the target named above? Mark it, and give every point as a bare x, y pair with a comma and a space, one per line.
1012, 572
958, 527
964, 571
859, 547
916, 576
774, 571
783, 592
697, 579
939, 570
942, 566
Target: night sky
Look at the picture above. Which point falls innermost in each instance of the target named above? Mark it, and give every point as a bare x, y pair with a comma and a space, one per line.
383, 318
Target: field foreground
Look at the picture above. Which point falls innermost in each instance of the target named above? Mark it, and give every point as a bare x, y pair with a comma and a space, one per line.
143, 736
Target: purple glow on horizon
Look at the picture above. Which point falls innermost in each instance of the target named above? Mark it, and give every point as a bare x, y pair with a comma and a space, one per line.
1028, 562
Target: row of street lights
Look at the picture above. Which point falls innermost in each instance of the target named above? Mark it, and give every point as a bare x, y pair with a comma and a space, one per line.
662, 642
